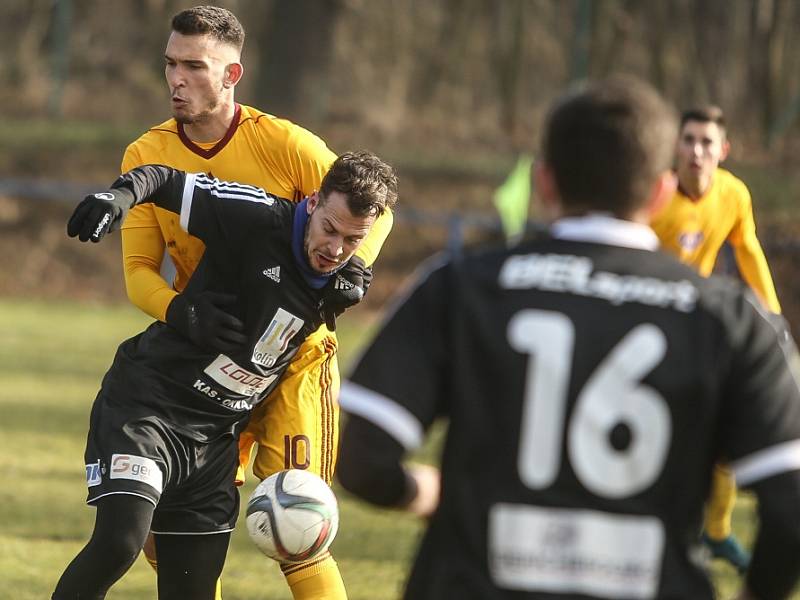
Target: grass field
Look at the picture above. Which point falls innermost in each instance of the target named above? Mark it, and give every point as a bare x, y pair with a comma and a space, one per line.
52, 357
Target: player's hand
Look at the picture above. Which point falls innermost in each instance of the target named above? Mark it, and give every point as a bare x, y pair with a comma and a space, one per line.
203, 319
729, 550
429, 484
345, 289
99, 214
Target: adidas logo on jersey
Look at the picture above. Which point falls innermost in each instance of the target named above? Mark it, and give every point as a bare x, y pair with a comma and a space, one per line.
273, 273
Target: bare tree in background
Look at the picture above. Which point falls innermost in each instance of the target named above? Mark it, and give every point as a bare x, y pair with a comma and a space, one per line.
295, 44
449, 71
508, 46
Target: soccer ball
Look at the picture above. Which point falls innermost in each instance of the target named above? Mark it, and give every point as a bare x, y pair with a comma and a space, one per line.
292, 516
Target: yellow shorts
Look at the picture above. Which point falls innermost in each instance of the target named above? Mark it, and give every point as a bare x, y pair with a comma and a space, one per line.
297, 425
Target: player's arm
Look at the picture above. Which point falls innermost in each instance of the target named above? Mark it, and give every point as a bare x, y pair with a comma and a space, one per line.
392, 402
195, 198
760, 435
375, 471
103, 212
750, 257
777, 545
143, 252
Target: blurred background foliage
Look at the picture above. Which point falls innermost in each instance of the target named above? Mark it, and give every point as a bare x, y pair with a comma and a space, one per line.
448, 73
450, 91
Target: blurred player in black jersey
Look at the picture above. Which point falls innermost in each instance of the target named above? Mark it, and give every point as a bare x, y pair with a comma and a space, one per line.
590, 383
162, 447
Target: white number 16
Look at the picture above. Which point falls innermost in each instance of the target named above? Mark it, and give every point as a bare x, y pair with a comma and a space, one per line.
614, 394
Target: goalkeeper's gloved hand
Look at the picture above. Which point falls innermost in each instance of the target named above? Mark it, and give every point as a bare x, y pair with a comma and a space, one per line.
99, 214
200, 318
345, 289
728, 549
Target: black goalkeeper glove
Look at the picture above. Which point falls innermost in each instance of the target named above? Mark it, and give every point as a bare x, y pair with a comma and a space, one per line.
345, 289
99, 214
200, 318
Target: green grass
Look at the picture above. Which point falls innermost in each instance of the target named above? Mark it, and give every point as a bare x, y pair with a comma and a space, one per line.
52, 357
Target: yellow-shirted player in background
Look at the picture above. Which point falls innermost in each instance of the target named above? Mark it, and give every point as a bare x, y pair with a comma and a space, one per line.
710, 208
297, 426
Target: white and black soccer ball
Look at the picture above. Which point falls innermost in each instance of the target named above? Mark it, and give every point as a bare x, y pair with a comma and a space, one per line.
292, 516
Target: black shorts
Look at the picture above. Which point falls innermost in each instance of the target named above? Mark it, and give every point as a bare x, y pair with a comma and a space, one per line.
191, 483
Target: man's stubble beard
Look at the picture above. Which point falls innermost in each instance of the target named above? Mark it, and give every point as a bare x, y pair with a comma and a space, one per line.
194, 119
200, 117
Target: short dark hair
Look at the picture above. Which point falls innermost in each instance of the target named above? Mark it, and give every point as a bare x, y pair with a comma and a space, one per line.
219, 23
606, 144
369, 183
704, 114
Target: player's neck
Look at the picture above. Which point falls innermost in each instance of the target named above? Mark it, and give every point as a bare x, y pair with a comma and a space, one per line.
212, 128
696, 189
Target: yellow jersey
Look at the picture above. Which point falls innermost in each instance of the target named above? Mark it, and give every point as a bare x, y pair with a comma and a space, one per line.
695, 230
258, 149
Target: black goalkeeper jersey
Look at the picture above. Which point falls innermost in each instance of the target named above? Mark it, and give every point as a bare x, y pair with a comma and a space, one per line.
589, 387
252, 252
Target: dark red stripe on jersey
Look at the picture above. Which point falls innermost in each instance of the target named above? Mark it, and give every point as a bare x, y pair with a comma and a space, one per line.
294, 568
219, 145
334, 425
328, 414
324, 384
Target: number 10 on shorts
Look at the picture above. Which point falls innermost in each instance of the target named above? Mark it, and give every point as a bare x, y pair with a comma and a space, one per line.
296, 451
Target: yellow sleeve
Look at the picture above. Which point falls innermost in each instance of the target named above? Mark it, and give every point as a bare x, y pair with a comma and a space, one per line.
750, 257
142, 253
371, 246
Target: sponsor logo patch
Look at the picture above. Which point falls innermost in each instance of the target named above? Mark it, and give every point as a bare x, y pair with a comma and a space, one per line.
689, 240
93, 476
137, 468
570, 551
236, 379
275, 340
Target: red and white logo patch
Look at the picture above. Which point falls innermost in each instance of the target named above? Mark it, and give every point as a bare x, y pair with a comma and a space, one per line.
236, 379
137, 468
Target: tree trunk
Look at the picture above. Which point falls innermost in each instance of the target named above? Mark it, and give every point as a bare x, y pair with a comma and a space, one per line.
294, 57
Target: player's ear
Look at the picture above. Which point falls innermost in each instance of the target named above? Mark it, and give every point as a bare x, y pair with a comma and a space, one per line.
726, 148
233, 73
547, 190
662, 191
313, 202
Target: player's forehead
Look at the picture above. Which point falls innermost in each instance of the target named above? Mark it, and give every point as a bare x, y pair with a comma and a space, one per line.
198, 47
336, 214
699, 130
